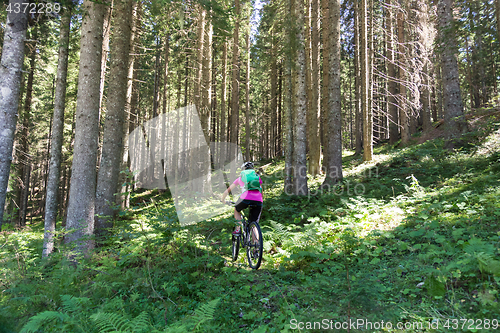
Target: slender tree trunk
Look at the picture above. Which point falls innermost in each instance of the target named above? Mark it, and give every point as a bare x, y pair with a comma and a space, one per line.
334, 123
10, 82
288, 106
402, 100
247, 99
80, 220
452, 99
497, 13
223, 102
426, 43
165, 74
357, 79
279, 140
128, 125
314, 110
106, 31
326, 25
57, 135
206, 86
392, 85
25, 132
112, 149
300, 144
274, 80
235, 94
365, 84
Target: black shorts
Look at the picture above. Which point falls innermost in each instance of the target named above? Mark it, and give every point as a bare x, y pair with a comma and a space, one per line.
255, 208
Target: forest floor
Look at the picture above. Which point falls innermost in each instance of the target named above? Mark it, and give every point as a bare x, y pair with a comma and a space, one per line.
408, 243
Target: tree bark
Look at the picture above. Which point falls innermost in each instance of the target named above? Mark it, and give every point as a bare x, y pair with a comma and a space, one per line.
314, 110
235, 87
497, 14
57, 135
365, 85
10, 82
223, 101
452, 98
325, 24
402, 100
112, 148
334, 123
247, 98
357, 79
391, 72
26, 159
80, 220
300, 144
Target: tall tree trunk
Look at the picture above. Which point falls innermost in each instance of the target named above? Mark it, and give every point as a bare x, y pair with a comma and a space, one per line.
10, 82
314, 110
128, 125
247, 99
80, 220
452, 99
57, 135
288, 106
112, 149
300, 144
279, 139
165, 74
26, 159
334, 123
206, 86
357, 79
325, 24
235, 87
365, 84
497, 13
106, 31
206, 100
426, 43
402, 100
223, 101
391, 69
274, 82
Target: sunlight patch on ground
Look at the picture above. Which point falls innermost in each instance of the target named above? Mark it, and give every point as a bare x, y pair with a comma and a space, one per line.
386, 218
365, 167
491, 144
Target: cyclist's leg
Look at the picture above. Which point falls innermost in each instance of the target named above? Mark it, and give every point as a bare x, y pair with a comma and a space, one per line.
240, 205
254, 215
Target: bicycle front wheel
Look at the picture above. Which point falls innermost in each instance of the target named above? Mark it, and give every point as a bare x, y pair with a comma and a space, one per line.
236, 246
255, 245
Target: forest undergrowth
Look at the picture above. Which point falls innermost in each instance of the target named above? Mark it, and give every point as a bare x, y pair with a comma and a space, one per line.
411, 240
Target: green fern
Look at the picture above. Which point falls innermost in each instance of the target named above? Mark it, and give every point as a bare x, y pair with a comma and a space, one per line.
111, 322
488, 264
42, 318
201, 315
116, 323
205, 312
71, 304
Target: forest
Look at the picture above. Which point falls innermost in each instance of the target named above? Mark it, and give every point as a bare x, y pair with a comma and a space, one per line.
374, 126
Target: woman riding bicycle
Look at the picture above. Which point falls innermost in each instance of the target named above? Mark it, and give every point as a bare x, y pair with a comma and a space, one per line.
252, 195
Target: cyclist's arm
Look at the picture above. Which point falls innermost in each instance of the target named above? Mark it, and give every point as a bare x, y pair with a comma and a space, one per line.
226, 192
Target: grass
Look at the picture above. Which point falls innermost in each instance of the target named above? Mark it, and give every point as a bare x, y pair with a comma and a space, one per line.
416, 244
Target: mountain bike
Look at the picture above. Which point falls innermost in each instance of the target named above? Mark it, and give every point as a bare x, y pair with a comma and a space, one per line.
251, 239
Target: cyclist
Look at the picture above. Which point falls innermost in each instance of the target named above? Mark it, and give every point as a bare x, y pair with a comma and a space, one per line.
250, 197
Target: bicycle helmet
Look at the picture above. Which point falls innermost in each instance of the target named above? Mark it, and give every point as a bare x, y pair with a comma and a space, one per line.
247, 165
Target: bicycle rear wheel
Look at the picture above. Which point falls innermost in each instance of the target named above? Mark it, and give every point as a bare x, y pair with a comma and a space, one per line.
236, 246
255, 245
